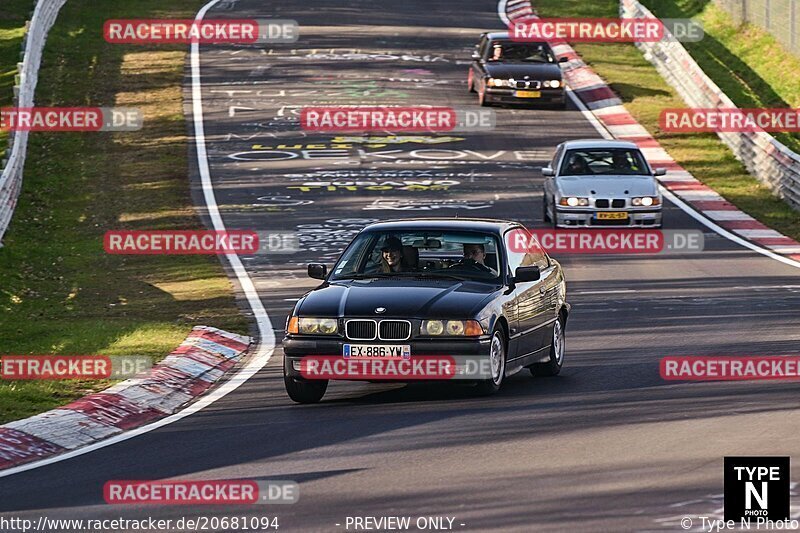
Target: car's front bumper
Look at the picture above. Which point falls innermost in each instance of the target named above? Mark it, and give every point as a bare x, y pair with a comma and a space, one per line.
498, 95
462, 352
587, 218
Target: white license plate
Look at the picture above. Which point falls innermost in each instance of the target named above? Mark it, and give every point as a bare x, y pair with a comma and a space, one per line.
377, 351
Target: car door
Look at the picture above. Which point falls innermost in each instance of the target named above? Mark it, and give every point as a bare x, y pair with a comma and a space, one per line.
531, 298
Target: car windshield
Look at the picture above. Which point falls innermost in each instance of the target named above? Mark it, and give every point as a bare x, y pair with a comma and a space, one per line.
600, 161
458, 255
506, 51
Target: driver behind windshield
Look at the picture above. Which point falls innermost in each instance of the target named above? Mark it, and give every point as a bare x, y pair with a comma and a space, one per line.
475, 257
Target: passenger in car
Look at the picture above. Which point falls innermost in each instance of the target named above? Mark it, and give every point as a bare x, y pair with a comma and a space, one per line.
396, 258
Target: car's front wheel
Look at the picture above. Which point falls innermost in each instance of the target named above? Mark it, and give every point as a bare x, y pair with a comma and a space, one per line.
557, 349
497, 364
304, 391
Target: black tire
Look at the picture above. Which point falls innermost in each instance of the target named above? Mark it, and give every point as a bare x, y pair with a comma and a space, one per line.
491, 386
557, 350
554, 218
470, 82
301, 390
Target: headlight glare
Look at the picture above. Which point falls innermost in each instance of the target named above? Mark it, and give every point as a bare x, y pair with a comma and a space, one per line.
552, 84
574, 201
646, 201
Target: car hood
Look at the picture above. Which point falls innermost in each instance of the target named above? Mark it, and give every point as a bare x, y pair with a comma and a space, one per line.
607, 186
400, 297
518, 71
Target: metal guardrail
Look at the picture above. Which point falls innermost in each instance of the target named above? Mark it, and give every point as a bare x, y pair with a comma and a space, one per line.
44, 15
762, 155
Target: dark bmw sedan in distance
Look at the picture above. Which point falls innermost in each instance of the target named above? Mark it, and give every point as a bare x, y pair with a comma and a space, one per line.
508, 72
462, 289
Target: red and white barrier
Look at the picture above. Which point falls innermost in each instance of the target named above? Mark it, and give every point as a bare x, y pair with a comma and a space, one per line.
191, 369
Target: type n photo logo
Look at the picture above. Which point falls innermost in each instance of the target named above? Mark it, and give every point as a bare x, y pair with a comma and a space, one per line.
756, 487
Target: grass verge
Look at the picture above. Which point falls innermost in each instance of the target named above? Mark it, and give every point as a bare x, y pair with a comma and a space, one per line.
13, 15
645, 94
59, 292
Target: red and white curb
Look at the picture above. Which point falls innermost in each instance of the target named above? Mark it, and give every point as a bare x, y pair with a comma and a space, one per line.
190, 370
609, 111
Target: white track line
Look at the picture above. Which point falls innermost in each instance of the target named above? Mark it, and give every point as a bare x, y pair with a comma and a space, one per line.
266, 340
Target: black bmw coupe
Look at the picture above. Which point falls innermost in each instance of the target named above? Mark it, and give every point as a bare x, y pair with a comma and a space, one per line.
508, 72
469, 291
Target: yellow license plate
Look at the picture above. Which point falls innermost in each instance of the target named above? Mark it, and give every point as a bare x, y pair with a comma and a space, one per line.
528, 94
622, 215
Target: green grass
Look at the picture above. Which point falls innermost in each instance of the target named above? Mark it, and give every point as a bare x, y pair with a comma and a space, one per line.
645, 94
60, 293
746, 62
13, 15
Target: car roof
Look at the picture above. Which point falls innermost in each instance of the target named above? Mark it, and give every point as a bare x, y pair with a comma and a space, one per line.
444, 223
504, 36
497, 35
598, 143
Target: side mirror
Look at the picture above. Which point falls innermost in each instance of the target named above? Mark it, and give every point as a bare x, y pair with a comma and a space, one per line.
660, 172
476, 56
527, 273
563, 59
317, 271
547, 171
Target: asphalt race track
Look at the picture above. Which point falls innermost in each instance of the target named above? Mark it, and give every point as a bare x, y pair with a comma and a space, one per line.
606, 446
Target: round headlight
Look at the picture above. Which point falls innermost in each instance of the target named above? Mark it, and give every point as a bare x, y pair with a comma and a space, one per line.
455, 327
647, 201
434, 327
555, 84
327, 326
311, 326
572, 201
